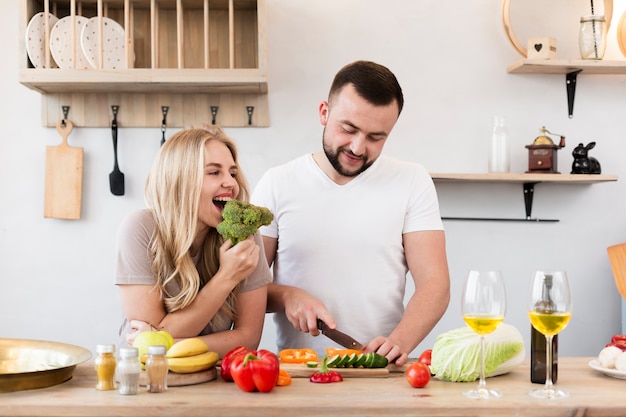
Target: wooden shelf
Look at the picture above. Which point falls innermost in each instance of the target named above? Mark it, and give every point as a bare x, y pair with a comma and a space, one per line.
528, 182
176, 52
566, 66
140, 80
524, 178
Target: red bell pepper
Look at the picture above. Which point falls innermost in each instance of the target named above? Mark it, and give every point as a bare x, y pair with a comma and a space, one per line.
227, 360
255, 371
325, 376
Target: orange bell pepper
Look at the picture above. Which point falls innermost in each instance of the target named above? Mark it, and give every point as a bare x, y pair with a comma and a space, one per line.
297, 355
284, 378
335, 351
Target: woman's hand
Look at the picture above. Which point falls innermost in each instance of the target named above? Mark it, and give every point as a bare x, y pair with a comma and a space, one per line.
137, 326
239, 261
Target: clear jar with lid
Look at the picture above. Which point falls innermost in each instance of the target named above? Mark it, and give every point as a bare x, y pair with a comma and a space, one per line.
128, 371
105, 364
592, 37
156, 367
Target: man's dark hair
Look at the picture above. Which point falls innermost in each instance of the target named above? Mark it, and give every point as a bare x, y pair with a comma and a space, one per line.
372, 81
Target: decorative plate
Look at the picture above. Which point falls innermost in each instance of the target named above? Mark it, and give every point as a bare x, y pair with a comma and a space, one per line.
606, 371
621, 34
36, 39
61, 43
113, 44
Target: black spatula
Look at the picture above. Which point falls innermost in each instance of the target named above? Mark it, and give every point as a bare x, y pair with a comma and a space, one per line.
116, 177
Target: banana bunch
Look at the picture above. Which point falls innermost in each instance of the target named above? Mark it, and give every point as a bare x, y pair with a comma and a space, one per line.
190, 355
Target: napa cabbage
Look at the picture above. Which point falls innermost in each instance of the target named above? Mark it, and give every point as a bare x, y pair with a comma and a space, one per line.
456, 353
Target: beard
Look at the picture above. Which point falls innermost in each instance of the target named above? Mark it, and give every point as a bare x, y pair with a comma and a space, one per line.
333, 158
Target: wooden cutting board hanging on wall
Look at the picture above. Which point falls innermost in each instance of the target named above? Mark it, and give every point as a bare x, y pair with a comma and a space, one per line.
64, 177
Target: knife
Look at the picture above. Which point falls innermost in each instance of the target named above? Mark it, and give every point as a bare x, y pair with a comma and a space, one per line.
339, 337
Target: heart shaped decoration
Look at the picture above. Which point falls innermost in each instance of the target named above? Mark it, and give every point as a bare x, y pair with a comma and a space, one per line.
538, 47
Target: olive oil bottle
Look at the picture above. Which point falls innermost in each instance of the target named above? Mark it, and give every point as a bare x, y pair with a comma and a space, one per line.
538, 341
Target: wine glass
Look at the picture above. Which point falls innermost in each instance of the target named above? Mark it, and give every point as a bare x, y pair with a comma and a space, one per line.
549, 310
483, 307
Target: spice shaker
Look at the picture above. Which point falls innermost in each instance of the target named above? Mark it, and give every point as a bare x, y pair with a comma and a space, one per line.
156, 366
128, 371
105, 364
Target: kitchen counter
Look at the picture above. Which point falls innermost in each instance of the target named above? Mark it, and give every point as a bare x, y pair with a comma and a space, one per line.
591, 394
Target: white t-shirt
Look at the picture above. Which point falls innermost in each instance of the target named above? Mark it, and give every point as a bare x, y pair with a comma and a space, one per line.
343, 243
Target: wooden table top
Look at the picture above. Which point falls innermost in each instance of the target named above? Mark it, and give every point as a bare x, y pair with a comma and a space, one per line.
591, 394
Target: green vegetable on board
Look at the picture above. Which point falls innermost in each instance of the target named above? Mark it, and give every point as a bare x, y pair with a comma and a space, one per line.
456, 353
242, 219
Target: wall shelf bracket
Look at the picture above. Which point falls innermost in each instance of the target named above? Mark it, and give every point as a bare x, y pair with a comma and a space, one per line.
529, 190
570, 84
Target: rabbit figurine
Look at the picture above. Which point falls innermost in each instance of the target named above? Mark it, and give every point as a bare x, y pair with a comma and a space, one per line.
584, 164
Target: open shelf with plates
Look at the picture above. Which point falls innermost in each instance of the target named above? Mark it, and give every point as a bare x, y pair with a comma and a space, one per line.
528, 182
205, 60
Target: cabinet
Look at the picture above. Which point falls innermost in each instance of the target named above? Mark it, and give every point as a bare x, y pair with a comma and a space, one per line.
528, 182
185, 62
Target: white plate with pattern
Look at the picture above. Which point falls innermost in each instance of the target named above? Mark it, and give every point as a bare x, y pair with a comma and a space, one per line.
61, 43
36, 39
113, 44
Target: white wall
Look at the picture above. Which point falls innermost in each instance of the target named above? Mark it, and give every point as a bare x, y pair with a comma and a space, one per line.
450, 57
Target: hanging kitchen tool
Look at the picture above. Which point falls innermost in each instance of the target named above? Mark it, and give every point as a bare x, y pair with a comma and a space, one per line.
164, 109
64, 176
116, 177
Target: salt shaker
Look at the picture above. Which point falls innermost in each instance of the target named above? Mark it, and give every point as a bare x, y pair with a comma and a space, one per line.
128, 370
105, 364
156, 366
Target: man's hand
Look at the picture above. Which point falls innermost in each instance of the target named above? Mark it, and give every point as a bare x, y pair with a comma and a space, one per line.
386, 347
303, 310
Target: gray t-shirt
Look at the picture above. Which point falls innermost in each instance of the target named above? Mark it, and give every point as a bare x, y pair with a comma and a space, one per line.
133, 265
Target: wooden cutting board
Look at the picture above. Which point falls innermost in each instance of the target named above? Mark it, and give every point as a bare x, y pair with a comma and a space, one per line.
179, 380
64, 177
300, 370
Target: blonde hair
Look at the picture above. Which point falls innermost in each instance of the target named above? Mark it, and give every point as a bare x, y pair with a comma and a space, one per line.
173, 194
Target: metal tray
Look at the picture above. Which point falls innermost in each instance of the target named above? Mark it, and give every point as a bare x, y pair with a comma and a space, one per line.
28, 364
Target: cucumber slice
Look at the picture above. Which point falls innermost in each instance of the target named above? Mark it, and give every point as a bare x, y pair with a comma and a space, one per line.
360, 359
311, 364
351, 359
334, 361
344, 360
379, 361
369, 360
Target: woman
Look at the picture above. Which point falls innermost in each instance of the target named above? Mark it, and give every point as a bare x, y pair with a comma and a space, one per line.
174, 271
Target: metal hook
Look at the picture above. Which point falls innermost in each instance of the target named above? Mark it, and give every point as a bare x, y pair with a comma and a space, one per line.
164, 110
213, 114
250, 109
66, 110
114, 109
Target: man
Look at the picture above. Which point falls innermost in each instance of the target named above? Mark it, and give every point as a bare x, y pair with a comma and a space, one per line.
349, 224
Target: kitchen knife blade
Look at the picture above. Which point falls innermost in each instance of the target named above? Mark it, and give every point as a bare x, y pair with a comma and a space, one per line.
339, 337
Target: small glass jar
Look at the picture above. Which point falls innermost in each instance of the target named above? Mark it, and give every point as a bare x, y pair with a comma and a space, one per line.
592, 38
156, 367
105, 364
128, 371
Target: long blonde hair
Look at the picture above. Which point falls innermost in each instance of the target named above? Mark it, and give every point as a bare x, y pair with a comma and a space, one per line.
173, 194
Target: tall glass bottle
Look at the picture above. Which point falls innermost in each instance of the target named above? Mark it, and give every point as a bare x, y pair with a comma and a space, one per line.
499, 151
538, 341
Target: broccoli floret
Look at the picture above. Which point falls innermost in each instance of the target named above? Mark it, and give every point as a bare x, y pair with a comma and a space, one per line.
242, 219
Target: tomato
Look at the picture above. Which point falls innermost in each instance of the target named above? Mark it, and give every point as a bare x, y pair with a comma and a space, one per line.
418, 375
426, 357
297, 355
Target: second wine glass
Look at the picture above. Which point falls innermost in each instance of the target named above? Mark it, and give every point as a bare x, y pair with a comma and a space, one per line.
483, 307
